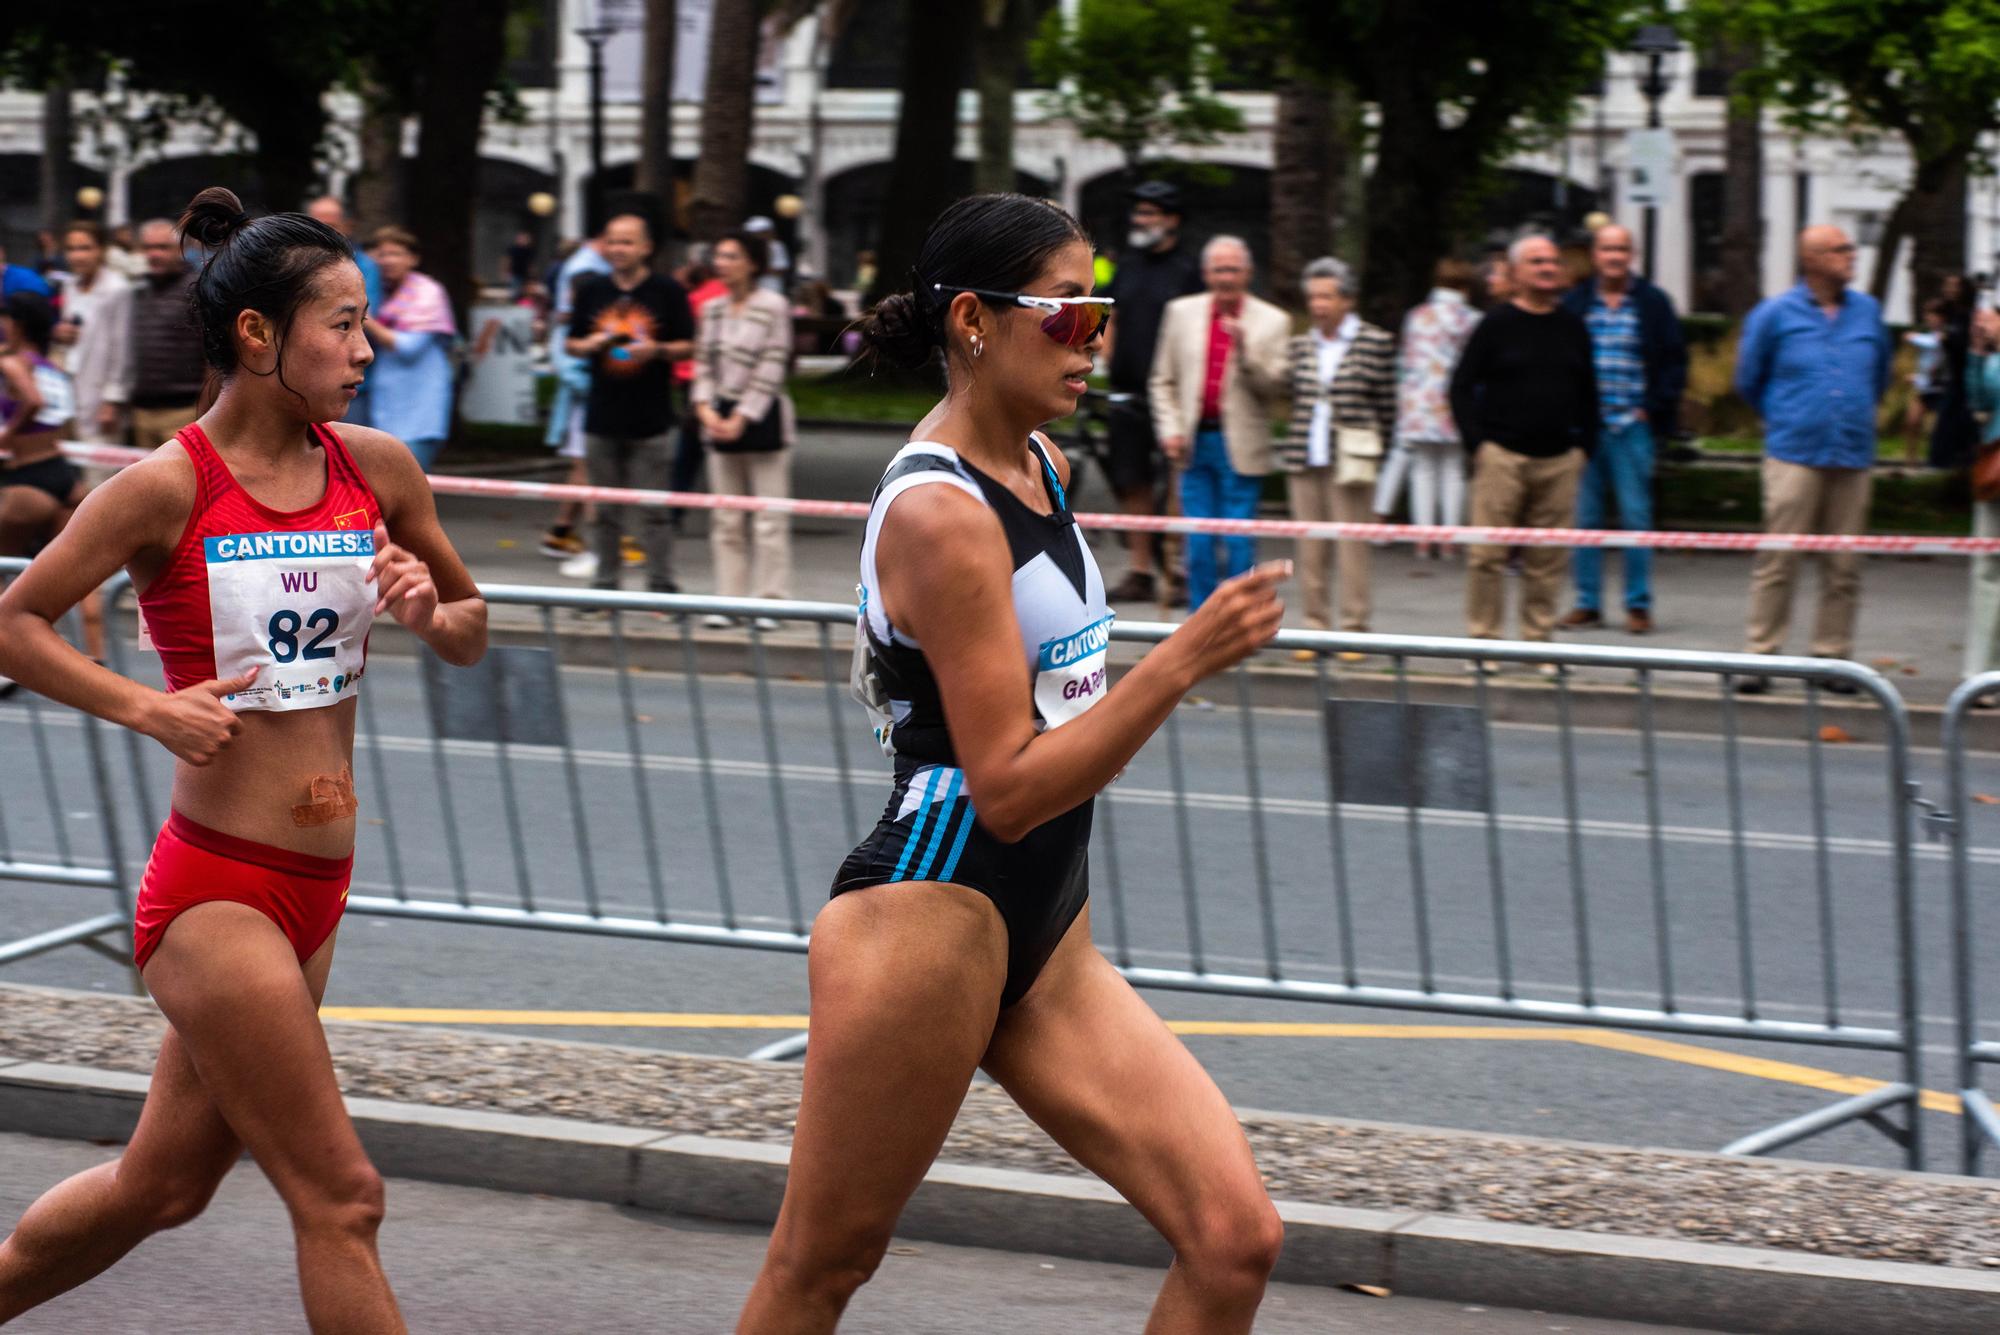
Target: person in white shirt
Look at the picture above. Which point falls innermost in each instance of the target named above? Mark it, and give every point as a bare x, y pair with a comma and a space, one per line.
1343, 381
93, 340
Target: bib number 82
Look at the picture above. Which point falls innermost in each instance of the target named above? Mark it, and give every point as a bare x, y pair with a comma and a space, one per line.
286, 626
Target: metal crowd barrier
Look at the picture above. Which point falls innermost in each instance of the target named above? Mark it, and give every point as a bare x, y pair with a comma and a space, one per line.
57, 825
1383, 841
1981, 1124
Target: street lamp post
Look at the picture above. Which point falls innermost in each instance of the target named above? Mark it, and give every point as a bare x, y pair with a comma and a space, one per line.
1656, 41
596, 35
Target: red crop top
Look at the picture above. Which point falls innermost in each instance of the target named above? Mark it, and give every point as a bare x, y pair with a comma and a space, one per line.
286, 592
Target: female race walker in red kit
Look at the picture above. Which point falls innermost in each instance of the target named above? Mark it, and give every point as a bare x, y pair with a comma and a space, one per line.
958, 935
263, 541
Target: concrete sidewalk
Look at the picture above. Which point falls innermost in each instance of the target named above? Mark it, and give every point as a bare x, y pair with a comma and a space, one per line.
1700, 1240
469, 1260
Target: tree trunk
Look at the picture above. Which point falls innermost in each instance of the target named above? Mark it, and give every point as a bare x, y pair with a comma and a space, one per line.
1742, 192
58, 172
288, 129
378, 186
1345, 169
1302, 184
1003, 34
935, 45
466, 44
1937, 226
1894, 230
722, 171
654, 172
1414, 195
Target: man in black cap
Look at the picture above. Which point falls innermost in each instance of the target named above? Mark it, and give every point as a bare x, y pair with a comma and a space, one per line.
1152, 270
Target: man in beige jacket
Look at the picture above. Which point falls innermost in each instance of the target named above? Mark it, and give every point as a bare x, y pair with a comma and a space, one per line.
1219, 377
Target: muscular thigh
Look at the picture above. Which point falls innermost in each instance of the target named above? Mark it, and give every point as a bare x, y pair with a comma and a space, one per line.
906, 983
1091, 1063
182, 1138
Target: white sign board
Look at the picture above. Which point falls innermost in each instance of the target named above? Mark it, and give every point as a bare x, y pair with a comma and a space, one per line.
501, 354
1649, 164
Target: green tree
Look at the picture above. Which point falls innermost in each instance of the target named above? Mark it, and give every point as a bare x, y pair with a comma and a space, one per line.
265, 66
260, 66
1454, 95
1137, 74
721, 189
1927, 71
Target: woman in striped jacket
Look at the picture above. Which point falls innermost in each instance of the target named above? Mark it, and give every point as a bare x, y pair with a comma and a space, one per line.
1343, 380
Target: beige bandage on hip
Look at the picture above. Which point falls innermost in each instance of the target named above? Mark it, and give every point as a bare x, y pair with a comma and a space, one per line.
332, 799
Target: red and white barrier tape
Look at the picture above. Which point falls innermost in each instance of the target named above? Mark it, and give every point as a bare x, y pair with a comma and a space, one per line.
1892, 544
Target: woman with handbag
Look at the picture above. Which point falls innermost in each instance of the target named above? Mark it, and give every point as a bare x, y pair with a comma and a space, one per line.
1343, 382
742, 354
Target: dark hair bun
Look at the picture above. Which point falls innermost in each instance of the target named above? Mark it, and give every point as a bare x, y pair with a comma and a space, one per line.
897, 332
212, 217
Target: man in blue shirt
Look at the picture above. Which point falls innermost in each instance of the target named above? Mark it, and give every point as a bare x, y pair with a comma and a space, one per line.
1814, 363
1641, 362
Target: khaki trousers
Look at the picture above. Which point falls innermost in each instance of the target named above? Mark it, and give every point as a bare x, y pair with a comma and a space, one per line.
738, 538
156, 426
1512, 490
1317, 498
1802, 499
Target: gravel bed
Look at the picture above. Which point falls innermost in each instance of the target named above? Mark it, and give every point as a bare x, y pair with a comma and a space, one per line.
1854, 1212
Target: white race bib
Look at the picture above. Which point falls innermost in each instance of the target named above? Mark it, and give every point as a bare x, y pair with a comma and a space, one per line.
1070, 673
298, 607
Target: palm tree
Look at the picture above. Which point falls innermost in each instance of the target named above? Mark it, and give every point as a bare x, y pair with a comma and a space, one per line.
936, 43
466, 45
654, 172
1742, 188
728, 112
1302, 182
1002, 44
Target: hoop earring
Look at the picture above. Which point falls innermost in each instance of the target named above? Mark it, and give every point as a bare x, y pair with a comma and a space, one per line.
978, 345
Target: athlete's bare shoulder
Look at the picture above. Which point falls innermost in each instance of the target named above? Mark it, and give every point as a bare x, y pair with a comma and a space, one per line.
383, 459
371, 447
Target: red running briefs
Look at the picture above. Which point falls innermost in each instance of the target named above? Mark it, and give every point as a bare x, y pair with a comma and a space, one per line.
192, 864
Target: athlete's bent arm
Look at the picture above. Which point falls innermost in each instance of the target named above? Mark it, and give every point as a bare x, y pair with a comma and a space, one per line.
141, 510
419, 577
948, 580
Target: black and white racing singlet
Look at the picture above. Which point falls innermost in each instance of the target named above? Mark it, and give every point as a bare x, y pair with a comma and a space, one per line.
1058, 602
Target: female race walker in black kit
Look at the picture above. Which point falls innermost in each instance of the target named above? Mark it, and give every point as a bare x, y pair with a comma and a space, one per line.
958, 937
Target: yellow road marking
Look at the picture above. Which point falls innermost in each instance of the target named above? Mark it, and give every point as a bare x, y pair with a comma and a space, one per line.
1763, 1068
1638, 1045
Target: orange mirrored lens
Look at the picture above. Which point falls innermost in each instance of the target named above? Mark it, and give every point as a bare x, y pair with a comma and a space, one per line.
1075, 325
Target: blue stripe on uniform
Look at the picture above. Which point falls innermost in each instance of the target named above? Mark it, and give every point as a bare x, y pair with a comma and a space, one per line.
944, 819
917, 829
958, 844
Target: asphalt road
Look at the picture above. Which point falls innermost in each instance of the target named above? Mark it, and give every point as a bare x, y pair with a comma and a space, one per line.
780, 832
465, 1260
